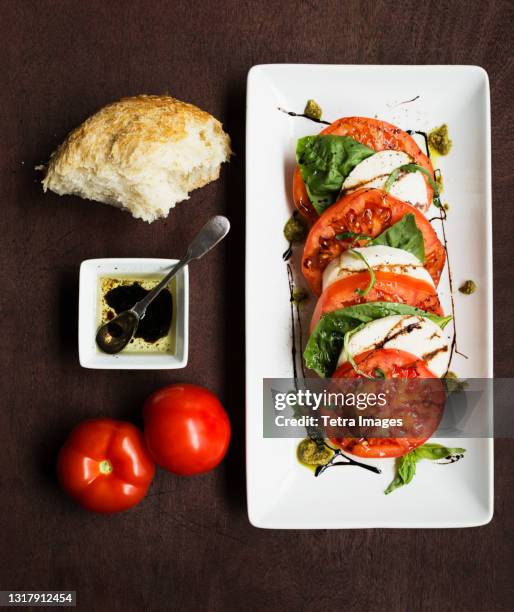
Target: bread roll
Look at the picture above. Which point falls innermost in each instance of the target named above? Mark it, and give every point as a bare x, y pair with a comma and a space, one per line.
142, 154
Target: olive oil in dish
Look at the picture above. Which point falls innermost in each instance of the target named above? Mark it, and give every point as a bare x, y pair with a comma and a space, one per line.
156, 330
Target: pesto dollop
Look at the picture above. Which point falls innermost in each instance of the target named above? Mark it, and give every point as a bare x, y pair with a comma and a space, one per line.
439, 141
295, 230
468, 287
453, 384
313, 110
310, 453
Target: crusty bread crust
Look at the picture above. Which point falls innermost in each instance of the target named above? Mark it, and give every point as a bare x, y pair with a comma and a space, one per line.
125, 138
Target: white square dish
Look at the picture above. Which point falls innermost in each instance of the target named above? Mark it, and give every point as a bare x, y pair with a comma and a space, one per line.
281, 493
90, 356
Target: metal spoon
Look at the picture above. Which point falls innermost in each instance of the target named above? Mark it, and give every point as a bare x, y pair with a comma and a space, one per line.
114, 335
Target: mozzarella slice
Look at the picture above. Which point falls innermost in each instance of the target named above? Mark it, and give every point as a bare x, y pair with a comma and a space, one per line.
410, 187
373, 172
377, 166
381, 258
411, 333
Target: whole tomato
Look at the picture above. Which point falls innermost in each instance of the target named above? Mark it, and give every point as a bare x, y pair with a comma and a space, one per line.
187, 430
105, 466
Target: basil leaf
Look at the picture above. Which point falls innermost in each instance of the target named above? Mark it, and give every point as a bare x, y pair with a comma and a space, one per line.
410, 168
406, 465
405, 235
405, 472
436, 451
414, 168
379, 373
325, 161
396, 483
407, 468
372, 276
327, 340
348, 356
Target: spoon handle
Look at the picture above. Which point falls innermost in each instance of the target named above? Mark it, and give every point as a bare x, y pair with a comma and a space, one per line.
142, 305
208, 237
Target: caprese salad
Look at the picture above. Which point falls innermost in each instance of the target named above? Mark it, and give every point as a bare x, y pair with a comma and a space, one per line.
374, 261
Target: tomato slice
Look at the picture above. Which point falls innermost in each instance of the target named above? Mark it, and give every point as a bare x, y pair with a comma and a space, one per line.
393, 362
301, 198
365, 211
380, 136
420, 405
388, 287
376, 134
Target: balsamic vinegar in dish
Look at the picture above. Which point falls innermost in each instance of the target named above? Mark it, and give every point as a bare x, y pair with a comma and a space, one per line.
155, 332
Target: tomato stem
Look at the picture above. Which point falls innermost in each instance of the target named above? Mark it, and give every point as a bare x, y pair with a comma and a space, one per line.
105, 466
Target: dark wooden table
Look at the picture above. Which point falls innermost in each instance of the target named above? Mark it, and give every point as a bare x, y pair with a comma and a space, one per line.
189, 545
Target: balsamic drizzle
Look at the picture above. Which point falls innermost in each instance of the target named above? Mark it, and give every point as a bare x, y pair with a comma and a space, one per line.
394, 333
346, 461
425, 138
291, 114
406, 102
454, 348
300, 336
443, 217
450, 459
295, 307
293, 334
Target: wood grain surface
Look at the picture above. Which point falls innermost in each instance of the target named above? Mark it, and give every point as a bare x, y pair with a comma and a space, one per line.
189, 545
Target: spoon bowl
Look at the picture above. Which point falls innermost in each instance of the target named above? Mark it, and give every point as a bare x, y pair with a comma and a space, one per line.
113, 337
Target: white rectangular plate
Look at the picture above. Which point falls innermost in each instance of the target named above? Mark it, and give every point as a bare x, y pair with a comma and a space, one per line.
282, 493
